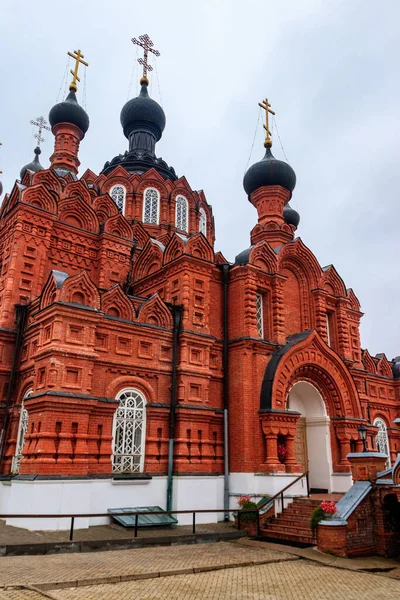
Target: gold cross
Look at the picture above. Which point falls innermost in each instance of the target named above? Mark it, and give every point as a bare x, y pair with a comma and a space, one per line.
77, 56
267, 107
145, 42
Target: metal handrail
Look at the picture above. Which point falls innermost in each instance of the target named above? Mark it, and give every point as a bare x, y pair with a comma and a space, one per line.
280, 493
136, 514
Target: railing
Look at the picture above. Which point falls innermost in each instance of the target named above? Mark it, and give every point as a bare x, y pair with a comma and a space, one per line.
137, 514
280, 494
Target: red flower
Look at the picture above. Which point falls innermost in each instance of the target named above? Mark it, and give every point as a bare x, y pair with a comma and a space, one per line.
328, 507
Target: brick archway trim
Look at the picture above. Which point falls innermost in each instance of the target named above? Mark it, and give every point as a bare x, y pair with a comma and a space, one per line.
306, 357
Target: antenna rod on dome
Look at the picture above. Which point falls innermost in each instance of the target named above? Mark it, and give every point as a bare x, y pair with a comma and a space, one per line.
145, 42
267, 107
41, 123
77, 56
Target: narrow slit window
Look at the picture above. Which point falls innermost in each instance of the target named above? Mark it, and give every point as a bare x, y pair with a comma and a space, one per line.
203, 222
260, 315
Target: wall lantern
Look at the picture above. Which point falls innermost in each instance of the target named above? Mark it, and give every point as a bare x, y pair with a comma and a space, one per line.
362, 432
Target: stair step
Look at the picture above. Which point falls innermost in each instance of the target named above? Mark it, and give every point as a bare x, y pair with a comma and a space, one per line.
290, 537
272, 527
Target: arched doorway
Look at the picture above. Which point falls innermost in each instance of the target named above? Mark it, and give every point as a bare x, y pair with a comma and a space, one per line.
312, 441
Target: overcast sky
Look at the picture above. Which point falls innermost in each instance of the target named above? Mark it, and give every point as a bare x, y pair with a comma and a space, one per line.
330, 69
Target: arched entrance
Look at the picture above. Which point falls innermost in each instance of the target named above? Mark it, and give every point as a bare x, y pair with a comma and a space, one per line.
312, 440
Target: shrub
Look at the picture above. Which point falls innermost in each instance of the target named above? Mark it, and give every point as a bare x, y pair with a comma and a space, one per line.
244, 503
317, 516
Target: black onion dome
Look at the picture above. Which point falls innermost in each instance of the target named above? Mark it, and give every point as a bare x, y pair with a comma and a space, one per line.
291, 216
143, 112
1, 188
34, 166
269, 171
69, 111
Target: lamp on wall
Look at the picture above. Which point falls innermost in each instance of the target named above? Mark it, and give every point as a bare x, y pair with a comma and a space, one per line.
362, 432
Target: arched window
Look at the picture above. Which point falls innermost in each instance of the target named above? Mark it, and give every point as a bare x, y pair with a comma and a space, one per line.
22, 429
182, 213
203, 222
118, 194
382, 441
150, 206
129, 432
260, 315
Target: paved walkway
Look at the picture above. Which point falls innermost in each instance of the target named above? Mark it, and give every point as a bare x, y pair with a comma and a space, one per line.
221, 571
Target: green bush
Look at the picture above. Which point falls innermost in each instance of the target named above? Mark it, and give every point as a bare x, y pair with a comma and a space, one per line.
248, 517
317, 516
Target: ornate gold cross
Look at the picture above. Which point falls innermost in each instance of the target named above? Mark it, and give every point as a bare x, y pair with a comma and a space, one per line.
77, 56
145, 42
41, 123
267, 107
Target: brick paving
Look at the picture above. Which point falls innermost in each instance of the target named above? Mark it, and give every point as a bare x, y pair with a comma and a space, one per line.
77, 569
298, 580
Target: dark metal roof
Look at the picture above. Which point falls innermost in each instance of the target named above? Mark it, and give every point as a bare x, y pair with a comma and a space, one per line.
33, 166
266, 388
269, 171
143, 112
243, 257
291, 216
69, 111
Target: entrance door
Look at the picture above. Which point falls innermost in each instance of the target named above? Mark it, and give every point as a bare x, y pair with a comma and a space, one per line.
300, 444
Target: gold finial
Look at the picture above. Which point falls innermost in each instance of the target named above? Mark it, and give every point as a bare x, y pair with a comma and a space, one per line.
77, 56
267, 107
145, 42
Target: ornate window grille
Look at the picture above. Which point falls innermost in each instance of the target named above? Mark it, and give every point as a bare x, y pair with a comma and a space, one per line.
118, 194
150, 208
203, 222
22, 429
182, 213
382, 440
129, 432
260, 315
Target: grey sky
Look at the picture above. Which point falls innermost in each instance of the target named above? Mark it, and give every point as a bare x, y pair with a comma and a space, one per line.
330, 69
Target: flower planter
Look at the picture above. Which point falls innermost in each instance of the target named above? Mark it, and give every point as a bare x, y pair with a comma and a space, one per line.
250, 527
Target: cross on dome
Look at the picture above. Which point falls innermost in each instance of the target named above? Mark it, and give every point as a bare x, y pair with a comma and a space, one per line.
267, 107
78, 58
145, 42
41, 123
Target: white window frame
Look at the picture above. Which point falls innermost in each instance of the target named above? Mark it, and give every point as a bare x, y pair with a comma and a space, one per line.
203, 222
260, 314
115, 187
124, 458
182, 202
158, 206
22, 429
382, 439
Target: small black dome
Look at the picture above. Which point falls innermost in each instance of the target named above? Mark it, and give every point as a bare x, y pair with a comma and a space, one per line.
69, 111
143, 112
269, 171
1, 188
291, 216
34, 166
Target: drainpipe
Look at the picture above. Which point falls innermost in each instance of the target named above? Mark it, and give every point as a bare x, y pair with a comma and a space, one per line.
177, 317
225, 361
21, 314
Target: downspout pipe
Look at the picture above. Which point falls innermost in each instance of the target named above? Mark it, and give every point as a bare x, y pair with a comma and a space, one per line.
225, 362
177, 318
21, 314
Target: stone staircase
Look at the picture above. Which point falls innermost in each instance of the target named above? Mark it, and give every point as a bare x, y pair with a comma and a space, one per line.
293, 525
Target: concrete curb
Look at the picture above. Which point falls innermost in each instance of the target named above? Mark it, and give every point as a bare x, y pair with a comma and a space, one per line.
46, 586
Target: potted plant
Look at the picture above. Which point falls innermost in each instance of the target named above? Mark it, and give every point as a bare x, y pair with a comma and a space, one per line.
248, 520
325, 510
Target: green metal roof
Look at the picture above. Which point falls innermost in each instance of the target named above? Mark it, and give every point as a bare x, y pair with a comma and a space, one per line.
147, 519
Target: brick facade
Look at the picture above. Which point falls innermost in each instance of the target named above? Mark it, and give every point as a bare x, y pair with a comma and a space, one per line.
99, 285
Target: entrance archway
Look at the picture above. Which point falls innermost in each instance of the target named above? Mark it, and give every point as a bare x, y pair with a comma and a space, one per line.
312, 441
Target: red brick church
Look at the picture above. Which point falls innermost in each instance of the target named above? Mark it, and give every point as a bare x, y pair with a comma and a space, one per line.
140, 367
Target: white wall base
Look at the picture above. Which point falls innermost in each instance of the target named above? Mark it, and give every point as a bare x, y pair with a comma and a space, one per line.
341, 482
97, 495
